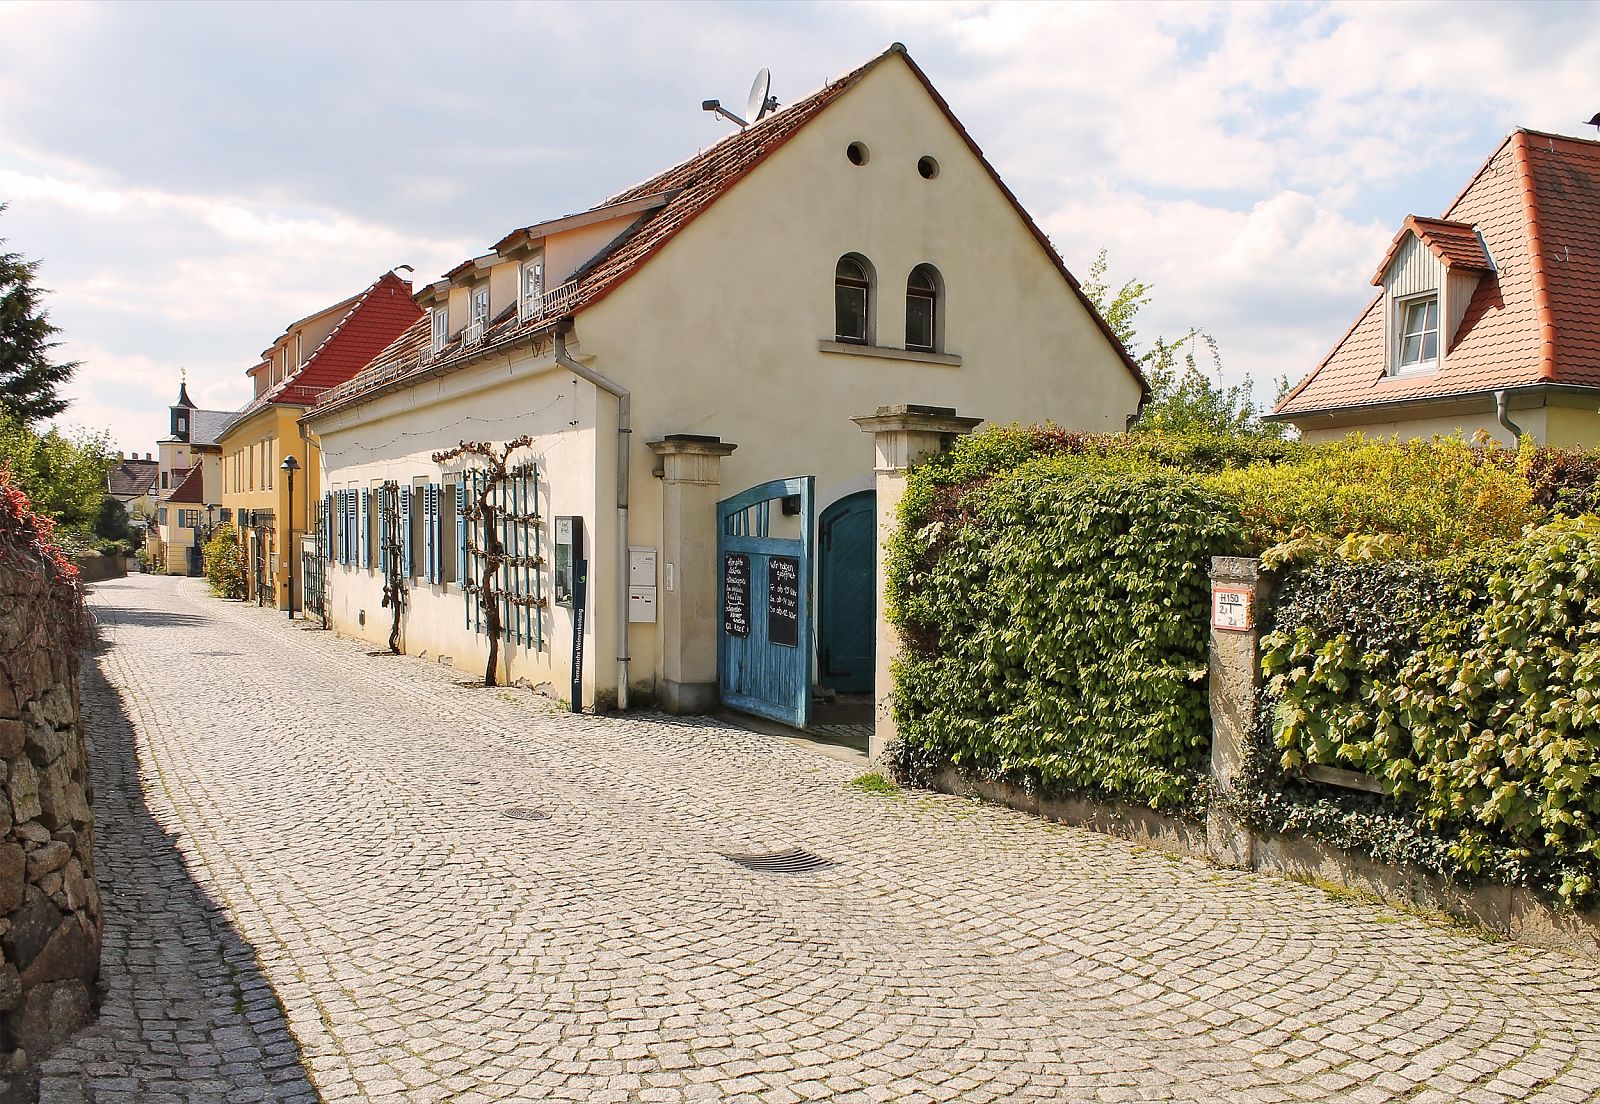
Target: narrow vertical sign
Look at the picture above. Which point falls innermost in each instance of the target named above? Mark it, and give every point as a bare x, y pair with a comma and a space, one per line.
580, 596
783, 600
736, 594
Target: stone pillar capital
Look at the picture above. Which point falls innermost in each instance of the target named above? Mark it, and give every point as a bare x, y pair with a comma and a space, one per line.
691, 458
905, 434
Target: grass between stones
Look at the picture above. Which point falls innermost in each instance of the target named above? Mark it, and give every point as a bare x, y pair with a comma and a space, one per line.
875, 783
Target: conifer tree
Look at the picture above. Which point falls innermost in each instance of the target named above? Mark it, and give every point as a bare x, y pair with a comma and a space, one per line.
30, 379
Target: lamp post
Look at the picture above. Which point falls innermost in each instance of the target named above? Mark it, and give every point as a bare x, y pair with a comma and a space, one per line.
290, 465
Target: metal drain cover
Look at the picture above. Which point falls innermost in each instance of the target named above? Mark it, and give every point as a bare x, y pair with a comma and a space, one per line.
793, 861
517, 813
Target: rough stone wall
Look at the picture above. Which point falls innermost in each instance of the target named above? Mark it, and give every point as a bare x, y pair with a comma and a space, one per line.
50, 920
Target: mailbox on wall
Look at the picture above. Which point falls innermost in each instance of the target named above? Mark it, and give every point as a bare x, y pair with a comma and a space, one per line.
569, 550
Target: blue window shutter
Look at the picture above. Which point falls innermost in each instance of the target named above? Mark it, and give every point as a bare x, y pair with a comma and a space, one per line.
327, 526
405, 531
342, 527
363, 528
350, 504
427, 533
435, 536
462, 571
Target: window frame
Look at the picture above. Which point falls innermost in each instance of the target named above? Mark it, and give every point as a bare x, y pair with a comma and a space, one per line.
1403, 305
525, 309
934, 294
865, 285
440, 333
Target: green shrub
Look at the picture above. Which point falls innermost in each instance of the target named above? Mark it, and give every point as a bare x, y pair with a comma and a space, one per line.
224, 563
1470, 688
1436, 497
1056, 618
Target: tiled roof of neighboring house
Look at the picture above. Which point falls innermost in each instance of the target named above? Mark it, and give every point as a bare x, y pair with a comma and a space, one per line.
684, 192
192, 488
1534, 320
129, 479
373, 319
1454, 243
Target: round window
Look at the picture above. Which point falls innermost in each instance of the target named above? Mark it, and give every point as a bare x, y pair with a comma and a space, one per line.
927, 167
857, 152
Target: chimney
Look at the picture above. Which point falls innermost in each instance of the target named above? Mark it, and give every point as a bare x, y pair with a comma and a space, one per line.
147, 456
120, 456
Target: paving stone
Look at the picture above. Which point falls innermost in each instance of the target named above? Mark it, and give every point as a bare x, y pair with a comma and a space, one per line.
311, 894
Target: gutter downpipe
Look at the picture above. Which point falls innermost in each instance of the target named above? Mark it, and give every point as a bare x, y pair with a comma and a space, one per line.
1500, 406
624, 431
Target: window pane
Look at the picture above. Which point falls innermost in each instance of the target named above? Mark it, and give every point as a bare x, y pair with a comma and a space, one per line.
1410, 348
850, 312
850, 270
1431, 314
1430, 345
919, 322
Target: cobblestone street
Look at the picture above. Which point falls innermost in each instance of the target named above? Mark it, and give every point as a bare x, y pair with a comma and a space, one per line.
313, 892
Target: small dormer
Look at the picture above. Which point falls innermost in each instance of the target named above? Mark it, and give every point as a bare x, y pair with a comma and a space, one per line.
182, 413
1428, 277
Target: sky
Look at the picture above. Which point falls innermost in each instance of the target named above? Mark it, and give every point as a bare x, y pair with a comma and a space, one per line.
194, 177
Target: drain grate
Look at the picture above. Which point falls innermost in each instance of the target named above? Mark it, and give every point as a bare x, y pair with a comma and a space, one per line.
518, 813
793, 861
218, 653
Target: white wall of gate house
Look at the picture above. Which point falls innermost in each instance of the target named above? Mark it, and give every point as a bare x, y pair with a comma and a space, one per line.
727, 332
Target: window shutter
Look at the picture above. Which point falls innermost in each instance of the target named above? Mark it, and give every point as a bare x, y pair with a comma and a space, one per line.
405, 531
363, 529
327, 523
426, 573
435, 536
461, 530
384, 521
350, 504
338, 525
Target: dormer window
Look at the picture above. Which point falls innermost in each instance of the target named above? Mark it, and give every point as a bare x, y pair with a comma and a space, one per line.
478, 323
1418, 333
441, 328
531, 295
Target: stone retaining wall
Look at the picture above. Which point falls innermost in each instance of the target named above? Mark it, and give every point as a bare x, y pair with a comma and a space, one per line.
50, 920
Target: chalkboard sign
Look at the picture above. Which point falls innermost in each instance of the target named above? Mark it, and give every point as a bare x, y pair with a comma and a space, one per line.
736, 594
783, 600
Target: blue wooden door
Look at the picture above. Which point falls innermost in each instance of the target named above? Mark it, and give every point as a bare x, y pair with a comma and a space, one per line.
764, 644
847, 552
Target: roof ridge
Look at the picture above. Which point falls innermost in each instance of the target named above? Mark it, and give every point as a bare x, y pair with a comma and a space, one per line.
1541, 290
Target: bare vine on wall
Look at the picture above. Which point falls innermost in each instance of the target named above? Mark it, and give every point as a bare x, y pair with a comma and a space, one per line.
494, 461
394, 569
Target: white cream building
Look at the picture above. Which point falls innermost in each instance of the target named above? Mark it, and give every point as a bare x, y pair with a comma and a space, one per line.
718, 310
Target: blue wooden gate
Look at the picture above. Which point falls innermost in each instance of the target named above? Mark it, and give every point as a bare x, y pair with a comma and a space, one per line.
764, 646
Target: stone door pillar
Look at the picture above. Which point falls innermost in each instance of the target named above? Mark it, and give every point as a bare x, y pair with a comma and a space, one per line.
688, 600
1239, 593
903, 436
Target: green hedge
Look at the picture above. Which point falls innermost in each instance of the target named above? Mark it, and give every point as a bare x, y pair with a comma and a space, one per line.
1056, 622
1470, 688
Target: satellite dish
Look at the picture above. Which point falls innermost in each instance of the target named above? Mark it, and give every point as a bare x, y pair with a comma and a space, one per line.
756, 107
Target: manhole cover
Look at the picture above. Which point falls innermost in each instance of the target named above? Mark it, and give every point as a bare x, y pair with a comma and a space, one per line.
792, 861
516, 813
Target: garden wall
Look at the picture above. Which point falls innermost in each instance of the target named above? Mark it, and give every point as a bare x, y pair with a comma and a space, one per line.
50, 918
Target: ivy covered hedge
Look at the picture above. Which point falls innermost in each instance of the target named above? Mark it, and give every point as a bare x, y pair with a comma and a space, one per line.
1469, 687
1052, 592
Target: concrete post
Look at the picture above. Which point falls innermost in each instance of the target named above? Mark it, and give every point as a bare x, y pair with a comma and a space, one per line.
688, 605
903, 436
1238, 595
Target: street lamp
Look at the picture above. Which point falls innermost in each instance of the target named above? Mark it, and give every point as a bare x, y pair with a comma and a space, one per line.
290, 465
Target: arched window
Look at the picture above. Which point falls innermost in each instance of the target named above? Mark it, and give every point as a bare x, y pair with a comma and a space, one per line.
923, 292
852, 300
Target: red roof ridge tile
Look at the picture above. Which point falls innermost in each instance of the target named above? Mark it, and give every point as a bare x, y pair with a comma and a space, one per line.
1455, 243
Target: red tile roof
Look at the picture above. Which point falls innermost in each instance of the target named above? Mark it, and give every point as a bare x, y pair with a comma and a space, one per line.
192, 488
1454, 243
689, 188
373, 320
1533, 321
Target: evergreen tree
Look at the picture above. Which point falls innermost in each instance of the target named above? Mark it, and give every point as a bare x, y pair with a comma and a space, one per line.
30, 380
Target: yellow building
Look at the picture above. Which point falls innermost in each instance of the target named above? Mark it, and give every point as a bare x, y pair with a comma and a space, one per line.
311, 355
1486, 319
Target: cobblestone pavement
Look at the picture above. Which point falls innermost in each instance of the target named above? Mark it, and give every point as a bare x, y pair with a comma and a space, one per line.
346, 812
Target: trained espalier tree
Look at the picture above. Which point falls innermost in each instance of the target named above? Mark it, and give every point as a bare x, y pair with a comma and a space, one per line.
31, 378
394, 568
495, 462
